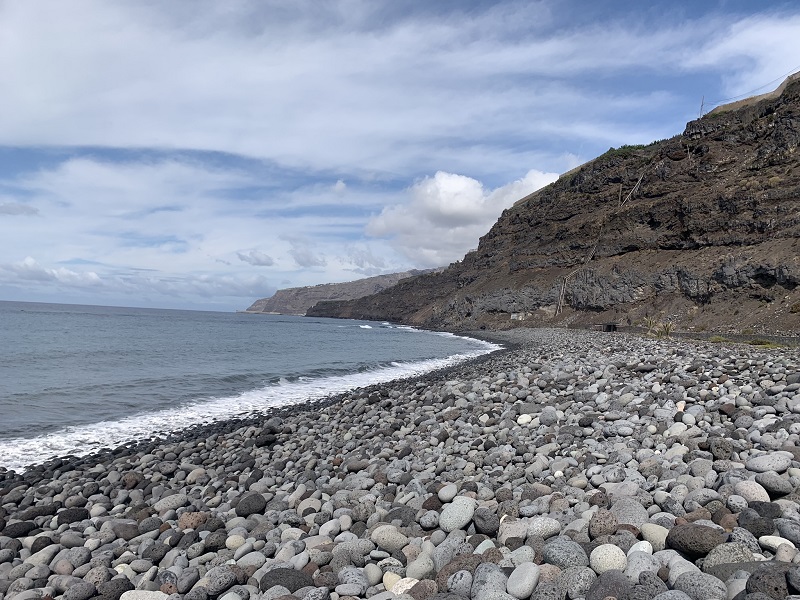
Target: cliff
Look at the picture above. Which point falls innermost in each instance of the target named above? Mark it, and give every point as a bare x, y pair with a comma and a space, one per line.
296, 301
702, 230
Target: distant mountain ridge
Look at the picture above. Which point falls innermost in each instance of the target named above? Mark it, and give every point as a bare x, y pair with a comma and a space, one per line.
701, 230
297, 301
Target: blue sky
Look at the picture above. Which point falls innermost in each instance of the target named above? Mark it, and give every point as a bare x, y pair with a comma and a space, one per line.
201, 154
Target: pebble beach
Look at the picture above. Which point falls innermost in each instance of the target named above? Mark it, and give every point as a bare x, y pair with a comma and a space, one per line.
572, 465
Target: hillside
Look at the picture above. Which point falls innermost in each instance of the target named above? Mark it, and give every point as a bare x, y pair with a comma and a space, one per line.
296, 301
702, 230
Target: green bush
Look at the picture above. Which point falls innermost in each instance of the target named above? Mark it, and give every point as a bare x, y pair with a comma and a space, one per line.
625, 150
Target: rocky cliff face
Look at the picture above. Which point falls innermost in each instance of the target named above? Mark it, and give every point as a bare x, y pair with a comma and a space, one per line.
702, 230
296, 301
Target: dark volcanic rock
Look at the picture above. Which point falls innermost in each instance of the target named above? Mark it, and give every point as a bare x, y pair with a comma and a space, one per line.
289, 578
251, 504
112, 590
72, 515
716, 229
19, 529
694, 540
769, 579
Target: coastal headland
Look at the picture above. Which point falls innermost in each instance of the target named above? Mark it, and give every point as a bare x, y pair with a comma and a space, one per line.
574, 464
699, 230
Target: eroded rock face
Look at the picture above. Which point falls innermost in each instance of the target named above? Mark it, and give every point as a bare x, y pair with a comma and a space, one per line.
707, 221
296, 301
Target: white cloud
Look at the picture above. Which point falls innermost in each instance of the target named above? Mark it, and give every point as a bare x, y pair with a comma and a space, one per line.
751, 53
303, 254
30, 270
315, 116
447, 213
357, 86
361, 259
256, 258
161, 228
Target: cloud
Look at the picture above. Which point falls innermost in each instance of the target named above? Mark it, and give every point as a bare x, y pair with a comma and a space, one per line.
363, 258
159, 227
754, 54
132, 287
447, 213
15, 209
30, 270
303, 255
361, 86
160, 145
256, 258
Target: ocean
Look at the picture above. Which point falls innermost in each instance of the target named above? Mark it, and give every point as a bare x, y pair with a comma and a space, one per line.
74, 379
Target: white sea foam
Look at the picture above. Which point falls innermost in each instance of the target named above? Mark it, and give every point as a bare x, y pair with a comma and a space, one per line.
365, 326
17, 453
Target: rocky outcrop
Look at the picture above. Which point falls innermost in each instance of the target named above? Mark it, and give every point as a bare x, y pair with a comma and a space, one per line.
702, 229
296, 301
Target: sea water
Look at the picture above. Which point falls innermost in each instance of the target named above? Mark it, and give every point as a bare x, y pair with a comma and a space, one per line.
74, 379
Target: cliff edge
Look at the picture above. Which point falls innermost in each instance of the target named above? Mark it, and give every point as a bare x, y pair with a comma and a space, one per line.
702, 230
296, 301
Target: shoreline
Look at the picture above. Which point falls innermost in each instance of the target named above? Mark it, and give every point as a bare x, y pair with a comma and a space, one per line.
300, 397
229, 424
569, 463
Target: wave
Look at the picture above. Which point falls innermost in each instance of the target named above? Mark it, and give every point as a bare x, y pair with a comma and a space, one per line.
18, 453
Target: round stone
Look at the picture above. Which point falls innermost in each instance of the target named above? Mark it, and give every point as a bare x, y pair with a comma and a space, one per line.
353, 576
775, 485
448, 492
544, 527
548, 416
523, 580
291, 579
701, 585
220, 579
607, 557
389, 538
460, 583
774, 461
577, 581
751, 491
769, 580
422, 567
251, 504
564, 553
603, 522
486, 521
694, 540
731, 552
630, 511
457, 514
611, 584
81, 590
234, 542
171, 502
655, 534
773, 542
639, 563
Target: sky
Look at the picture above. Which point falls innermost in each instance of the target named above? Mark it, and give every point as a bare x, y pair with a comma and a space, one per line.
202, 154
